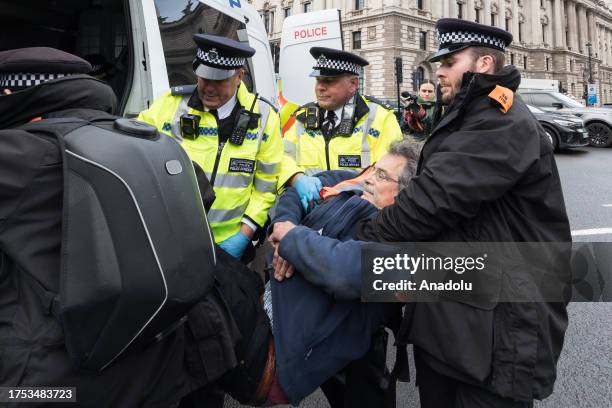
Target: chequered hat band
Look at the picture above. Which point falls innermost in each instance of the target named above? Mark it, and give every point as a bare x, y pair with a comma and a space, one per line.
213, 57
24, 80
326, 63
466, 37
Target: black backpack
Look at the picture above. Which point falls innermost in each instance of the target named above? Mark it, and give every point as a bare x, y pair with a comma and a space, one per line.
137, 252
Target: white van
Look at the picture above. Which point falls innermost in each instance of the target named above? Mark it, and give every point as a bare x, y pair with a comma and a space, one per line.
139, 47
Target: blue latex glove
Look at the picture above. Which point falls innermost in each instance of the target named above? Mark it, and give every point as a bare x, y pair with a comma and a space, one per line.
308, 189
235, 245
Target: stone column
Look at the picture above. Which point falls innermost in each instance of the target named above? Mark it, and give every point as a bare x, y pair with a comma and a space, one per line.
446, 9
609, 41
453, 9
436, 9
515, 20
470, 12
604, 45
486, 11
533, 19
501, 14
573, 25
557, 22
583, 30
595, 31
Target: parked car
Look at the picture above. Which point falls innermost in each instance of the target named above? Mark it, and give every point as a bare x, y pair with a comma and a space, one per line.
563, 130
598, 121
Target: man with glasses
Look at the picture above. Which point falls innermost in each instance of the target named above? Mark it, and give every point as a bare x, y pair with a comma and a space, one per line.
317, 313
341, 131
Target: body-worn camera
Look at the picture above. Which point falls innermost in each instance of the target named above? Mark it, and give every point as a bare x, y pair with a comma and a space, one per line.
190, 125
312, 117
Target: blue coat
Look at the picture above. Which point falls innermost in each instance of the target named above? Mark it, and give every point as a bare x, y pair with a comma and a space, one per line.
320, 325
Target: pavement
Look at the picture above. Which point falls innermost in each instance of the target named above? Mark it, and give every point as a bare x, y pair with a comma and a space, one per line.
585, 366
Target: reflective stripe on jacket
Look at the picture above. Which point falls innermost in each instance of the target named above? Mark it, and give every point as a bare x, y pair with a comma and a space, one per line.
246, 177
305, 150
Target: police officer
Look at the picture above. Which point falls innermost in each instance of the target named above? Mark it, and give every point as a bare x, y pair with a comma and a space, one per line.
231, 135
37, 84
342, 130
486, 174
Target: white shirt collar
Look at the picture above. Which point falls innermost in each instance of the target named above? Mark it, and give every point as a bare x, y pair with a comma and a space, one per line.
338, 113
226, 109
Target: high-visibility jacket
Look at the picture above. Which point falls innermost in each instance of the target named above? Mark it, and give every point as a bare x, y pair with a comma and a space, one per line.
309, 152
245, 176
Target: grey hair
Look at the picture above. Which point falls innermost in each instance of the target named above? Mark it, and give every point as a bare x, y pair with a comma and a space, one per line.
410, 151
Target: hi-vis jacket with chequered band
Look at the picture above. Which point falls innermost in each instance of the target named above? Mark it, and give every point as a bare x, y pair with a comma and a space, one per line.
309, 152
246, 176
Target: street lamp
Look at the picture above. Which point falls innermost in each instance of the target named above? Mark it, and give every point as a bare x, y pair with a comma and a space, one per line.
590, 65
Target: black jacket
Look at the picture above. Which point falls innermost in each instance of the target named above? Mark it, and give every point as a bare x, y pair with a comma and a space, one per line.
32, 351
484, 176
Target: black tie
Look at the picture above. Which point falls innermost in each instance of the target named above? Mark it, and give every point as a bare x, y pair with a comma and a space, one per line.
329, 123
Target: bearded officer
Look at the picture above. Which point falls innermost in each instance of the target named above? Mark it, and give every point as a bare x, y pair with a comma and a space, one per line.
341, 131
232, 136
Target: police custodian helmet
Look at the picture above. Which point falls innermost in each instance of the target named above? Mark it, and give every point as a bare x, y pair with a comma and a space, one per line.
331, 62
219, 58
455, 35
22, 68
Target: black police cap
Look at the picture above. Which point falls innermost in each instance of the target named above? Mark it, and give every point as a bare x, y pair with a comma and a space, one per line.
331, 62
25, 67
219, 57
455, 35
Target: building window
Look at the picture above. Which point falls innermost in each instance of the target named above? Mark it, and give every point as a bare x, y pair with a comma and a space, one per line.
511, 58
520, 33
417, 78
493, 19
359, 4
420, 4
287, 11
275, 49
507, 24
423, 40
547, 64
268, 19
544, 33
525, 62
356, 40
459, 10
478, 15
307, 7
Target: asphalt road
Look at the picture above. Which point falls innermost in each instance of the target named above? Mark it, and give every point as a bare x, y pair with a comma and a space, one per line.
585, 367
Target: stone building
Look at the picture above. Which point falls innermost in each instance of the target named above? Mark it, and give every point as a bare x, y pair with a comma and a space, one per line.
552, 38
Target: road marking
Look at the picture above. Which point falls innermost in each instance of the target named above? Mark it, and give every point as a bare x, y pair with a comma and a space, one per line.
592, 231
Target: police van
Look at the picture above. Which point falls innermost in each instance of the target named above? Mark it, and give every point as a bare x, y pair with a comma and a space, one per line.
141, 48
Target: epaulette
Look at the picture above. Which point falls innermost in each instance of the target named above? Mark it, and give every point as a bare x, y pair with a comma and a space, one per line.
182, 90
503, 97
378, 101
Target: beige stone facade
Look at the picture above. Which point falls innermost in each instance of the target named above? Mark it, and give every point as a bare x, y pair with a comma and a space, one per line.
550, 36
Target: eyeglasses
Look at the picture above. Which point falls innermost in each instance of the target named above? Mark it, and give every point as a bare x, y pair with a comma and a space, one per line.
381, 175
